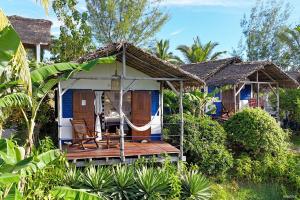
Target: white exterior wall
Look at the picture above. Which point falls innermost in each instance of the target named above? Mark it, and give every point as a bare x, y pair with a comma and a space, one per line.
107, 70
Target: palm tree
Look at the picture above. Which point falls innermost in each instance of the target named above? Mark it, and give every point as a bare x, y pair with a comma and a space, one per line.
199, 52
291, 38
161, 50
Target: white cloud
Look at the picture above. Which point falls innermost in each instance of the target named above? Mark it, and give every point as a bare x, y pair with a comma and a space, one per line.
176, 32
224, 3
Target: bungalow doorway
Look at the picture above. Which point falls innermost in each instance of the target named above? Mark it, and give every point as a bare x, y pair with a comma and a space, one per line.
83, 106
141, 113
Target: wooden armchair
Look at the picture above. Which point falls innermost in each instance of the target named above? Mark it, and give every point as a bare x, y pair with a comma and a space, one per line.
82, 133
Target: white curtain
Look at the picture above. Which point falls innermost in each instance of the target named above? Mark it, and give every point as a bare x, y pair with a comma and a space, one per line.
98, 111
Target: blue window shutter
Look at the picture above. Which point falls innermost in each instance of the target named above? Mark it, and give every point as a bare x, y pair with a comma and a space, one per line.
154, 101
67, 104
245, 93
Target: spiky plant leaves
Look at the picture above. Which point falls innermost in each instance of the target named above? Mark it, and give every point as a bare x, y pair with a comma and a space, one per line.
73, 178
67, 193
152, 183
195, 186
97, 179
124, 183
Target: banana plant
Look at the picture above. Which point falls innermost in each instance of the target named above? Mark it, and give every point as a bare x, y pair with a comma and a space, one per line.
9, 99
14, 166
44, 78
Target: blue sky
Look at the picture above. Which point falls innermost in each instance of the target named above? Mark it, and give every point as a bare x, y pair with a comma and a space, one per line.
215, 20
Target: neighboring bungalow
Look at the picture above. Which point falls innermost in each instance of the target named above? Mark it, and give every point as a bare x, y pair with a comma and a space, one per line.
139, 78
34, 33
295, 75
242, 84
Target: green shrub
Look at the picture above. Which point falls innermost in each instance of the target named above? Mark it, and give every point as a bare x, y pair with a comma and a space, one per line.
259, 147
204, 143
255, 132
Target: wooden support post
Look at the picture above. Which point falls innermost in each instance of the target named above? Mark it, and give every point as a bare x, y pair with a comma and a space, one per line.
258, 94
257, 98
277, 102
161, 92
122, 141
59, 109
181, 120
234, 96
38, 53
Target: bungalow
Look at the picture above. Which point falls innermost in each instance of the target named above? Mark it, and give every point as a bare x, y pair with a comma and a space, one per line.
122, 103
34, 33
242, 84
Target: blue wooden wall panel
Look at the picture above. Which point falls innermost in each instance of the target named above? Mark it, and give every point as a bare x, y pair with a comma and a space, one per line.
245, 93
67, 104
154, 101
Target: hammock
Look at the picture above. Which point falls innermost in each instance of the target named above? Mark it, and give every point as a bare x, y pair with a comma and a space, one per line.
141, 128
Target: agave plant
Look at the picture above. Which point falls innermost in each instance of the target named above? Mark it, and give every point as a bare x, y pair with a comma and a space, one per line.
124, 183
195, 186
73, 177
98, 180
152, 183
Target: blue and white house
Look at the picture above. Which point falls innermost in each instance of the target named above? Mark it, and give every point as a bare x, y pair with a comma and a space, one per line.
123, 96
242, 84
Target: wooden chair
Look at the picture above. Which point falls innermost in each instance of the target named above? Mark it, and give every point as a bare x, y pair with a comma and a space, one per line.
82, 133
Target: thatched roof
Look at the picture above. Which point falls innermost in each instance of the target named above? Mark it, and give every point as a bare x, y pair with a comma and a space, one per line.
145, 62
32, 31
295, 75
233, 71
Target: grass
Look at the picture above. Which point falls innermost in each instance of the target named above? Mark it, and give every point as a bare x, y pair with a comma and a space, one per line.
296, 140
247, 191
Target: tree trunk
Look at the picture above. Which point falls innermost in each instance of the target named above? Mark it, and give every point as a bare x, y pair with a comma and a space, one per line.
29, 142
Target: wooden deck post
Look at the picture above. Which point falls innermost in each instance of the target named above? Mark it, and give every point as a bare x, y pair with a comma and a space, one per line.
257, 98
38, 52
181, 120
161, 107
234, 96
277, 102
59, 109
122, 154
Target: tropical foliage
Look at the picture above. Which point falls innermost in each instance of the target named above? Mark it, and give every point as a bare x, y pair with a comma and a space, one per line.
199, 52
291, 38
75, 38
259, 147
260, 33
195, 102
14, 167
203, 138
161, 50
134, 21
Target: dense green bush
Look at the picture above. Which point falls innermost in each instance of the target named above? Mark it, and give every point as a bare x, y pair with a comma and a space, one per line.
259, 148
289, 104
255, 132
204, 143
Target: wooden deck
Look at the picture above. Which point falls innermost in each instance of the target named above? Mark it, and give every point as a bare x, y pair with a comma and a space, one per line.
133, 151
